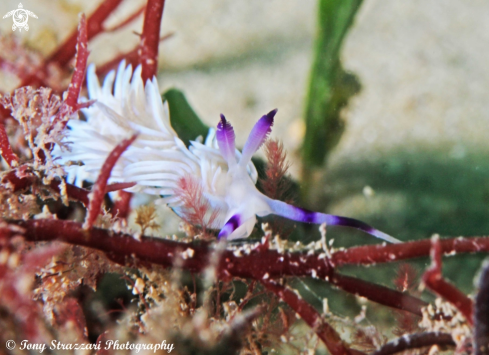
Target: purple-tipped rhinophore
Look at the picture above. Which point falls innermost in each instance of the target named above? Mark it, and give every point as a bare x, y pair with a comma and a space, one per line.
301, 215
258, 136
225, 140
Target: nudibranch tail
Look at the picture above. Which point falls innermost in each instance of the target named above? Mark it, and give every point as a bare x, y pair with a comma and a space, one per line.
225, 139
258, 135
301, 215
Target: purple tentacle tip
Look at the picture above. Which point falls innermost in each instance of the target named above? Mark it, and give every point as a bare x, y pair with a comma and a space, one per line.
225, 140
258, 136
231, 225
272, 114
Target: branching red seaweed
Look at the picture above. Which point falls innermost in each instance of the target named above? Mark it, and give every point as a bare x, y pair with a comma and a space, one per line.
127, 21
150, 38
197, 209
131, 57
274, 184
376, 254
324, 330
415, 341
257, 264
122, 207
15, 284
95, 25
481, 314
380, 294
20, 179
66, 51
80, 66
5, 148
70, 104
434, 280
98, 190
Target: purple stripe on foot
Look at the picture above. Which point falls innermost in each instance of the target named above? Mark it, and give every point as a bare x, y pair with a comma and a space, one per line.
302, 215
258, 136
307, 216
225, 140
355, 223
350, 222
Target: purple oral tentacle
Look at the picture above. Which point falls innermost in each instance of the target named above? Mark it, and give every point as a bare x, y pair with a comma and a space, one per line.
258, 136
225, 140
302, 215
231, 225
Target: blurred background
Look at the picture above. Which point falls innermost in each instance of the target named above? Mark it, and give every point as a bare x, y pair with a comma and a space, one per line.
401, 87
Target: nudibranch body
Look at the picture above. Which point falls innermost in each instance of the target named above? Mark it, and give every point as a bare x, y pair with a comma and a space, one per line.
158, 159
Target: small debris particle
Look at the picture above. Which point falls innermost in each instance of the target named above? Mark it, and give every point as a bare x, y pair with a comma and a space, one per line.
368, 191
362, 315
434, 350
325, 306
138, 286
188, 254
13, 260
4, 254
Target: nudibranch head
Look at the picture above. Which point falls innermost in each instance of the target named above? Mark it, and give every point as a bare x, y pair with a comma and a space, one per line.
158, 159
243, 199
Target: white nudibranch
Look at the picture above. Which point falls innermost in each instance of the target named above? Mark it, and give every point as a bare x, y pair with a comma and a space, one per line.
158, 159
